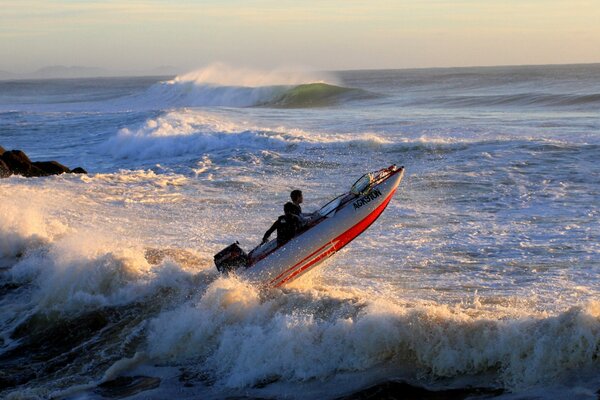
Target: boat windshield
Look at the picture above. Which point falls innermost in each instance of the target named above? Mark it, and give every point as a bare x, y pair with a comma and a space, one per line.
366, 182
328, 209
363, 184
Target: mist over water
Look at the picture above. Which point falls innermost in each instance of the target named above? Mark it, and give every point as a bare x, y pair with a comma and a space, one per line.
483, 271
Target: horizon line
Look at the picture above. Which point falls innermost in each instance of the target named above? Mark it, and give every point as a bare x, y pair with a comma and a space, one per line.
149, 72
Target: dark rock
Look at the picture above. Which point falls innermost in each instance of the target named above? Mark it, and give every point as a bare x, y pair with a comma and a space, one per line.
51, 167
4, 170
78, 170
20, 164
16, 162
14, 376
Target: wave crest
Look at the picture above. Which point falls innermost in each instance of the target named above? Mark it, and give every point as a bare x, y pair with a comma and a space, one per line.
220, 74
221, 85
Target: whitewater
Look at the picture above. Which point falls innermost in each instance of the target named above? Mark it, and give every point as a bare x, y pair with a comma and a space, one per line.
481, 278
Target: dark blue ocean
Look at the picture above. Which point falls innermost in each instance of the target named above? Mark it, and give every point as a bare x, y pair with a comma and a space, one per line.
484, 271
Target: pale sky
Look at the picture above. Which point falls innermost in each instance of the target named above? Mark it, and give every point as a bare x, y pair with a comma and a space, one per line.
320, 34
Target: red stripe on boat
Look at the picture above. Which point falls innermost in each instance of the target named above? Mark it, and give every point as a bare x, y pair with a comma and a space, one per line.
300, 262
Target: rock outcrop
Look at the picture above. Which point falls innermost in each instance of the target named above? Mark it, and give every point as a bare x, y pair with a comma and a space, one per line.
16, 162
51, 167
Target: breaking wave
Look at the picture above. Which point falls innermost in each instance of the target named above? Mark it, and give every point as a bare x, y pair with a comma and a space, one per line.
220, 85
197, 132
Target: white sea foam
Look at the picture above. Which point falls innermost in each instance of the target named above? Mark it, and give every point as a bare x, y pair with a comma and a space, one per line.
23, 223
90, 262
243, 339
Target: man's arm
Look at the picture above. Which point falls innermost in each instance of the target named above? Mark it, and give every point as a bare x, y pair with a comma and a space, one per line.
307, 218
271, 230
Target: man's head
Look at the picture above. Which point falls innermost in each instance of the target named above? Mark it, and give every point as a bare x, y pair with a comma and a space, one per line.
296, 196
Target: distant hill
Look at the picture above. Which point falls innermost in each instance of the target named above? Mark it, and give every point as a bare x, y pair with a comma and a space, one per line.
7, 75
61, 71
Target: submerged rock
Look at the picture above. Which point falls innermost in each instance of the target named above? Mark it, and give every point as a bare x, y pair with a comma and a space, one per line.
393, 390
16, 162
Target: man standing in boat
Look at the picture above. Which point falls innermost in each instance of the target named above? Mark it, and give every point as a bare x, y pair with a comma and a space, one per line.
297, 199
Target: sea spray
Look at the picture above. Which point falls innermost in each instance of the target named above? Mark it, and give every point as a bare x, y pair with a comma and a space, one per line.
220, 74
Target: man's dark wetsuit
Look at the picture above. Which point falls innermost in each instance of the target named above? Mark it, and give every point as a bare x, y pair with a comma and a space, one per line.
297, 210
305, 219
287, 225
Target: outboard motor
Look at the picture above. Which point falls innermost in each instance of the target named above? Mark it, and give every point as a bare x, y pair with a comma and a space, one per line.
231, 258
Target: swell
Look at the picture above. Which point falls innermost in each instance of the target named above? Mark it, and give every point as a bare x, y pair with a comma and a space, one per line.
520, 99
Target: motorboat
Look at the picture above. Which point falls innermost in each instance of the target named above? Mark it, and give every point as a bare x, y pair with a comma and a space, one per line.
328, 230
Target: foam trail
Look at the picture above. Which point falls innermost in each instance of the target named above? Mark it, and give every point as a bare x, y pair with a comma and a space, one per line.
184, 132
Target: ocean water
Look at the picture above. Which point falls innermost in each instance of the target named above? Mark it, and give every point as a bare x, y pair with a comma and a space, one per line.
484, 271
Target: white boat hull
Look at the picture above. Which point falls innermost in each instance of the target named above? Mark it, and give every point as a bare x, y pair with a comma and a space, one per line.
313, 246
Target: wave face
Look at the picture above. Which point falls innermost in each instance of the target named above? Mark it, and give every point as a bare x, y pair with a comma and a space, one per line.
479, 279
316, 95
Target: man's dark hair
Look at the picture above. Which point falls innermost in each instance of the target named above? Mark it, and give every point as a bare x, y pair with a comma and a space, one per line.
295, 195
289, 208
